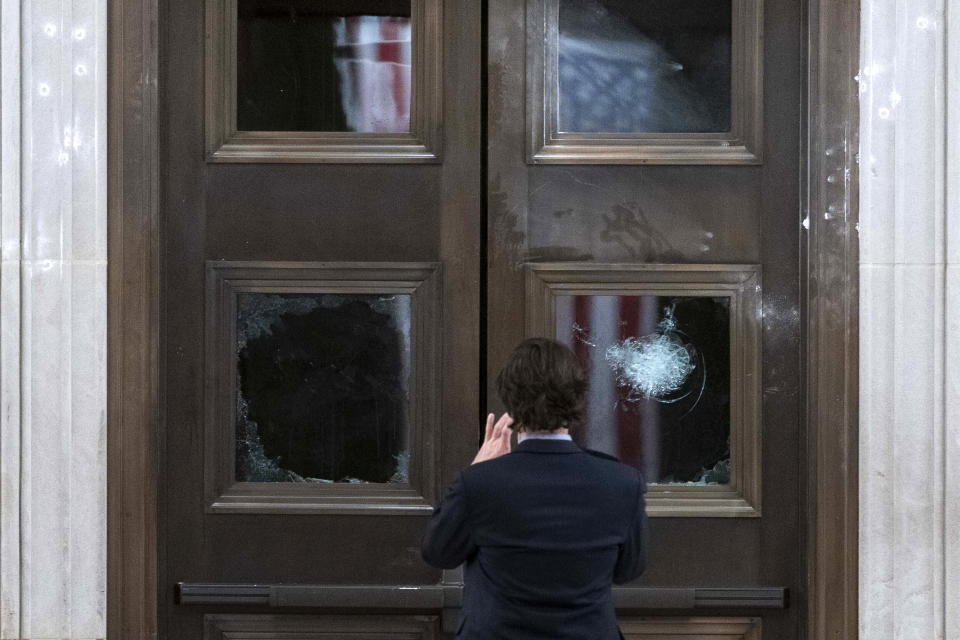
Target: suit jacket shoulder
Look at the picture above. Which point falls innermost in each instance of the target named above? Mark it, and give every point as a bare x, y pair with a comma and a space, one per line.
601, 454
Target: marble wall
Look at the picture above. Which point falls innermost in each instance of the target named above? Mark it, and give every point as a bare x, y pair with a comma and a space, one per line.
53, 319
909, 329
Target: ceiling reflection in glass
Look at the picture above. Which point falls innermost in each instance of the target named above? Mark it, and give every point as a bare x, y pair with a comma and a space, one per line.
644, 66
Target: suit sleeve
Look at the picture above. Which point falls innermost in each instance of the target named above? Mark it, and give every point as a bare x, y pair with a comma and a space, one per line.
631, 560
447, 542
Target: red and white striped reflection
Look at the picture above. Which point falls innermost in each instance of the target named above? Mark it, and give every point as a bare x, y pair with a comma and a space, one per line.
659, 381
374, 63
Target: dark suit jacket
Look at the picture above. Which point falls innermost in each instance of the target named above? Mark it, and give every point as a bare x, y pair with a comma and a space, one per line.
544, 531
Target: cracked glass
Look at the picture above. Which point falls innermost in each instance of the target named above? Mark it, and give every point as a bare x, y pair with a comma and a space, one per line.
659, 372
323, 383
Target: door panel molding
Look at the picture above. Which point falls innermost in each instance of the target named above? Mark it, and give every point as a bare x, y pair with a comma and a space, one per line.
133, 272
743, 144
226, 280
832, 336
225, 626
427, 627
742, 285
423, 143
692, 628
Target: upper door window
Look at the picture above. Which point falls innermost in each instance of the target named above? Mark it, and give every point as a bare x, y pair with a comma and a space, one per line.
304, 65
644, 81
323, 80
657, 66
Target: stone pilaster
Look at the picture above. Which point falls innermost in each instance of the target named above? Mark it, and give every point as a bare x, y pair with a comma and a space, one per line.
909, 427
53, 319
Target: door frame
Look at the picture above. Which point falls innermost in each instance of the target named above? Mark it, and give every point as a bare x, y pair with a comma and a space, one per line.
829, 297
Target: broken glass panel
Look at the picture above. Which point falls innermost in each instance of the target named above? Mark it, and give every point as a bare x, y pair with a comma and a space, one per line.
659, 371
644, 66
304, 65
323, 384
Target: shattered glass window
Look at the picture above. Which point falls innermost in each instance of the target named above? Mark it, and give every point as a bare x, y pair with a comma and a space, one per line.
323, 383
659, 372
644, 66
304, 65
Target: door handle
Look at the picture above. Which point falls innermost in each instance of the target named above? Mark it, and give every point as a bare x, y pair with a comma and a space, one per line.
427, 597
635, 598
449, 596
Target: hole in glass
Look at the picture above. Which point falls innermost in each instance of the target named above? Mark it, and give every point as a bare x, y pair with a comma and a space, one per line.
322, 387
644, 66
312, 65
659, 371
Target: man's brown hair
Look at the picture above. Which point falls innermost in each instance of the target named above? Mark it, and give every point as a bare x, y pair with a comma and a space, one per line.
543, 386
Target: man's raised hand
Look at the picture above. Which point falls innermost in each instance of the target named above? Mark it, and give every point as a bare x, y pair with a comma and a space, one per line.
496, 439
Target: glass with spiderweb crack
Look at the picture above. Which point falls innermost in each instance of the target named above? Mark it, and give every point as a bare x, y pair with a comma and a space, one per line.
659, 371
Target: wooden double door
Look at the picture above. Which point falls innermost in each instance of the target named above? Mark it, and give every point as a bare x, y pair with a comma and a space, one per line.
366, 205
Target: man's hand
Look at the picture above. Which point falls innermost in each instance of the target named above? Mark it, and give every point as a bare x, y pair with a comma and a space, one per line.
496, 439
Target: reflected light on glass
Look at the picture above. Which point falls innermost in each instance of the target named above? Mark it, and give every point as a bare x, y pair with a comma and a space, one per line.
647, 66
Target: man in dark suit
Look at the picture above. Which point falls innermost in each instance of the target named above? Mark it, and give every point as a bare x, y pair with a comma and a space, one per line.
547, 528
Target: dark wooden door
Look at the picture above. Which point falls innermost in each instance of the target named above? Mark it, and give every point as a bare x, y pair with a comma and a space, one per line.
644, 207
342, 259
321, 218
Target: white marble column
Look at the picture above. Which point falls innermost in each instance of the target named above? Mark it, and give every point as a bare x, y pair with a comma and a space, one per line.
951, 444
909, 328
53, 319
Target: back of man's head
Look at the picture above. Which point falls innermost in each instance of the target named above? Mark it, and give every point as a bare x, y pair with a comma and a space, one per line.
543, 386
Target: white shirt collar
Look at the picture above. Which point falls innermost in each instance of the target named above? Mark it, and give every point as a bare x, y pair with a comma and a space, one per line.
542, 436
